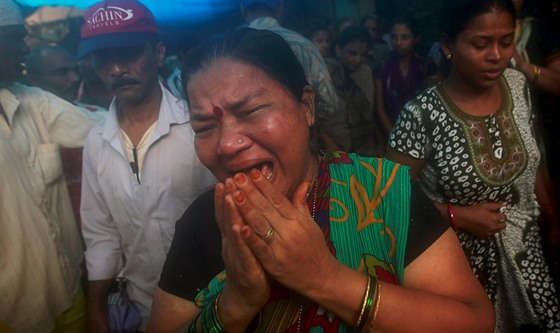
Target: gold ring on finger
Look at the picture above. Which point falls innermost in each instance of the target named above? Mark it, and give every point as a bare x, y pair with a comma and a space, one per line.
268, 236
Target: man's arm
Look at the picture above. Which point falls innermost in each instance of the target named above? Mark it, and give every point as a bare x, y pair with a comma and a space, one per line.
103, 249
68, 124
97, 319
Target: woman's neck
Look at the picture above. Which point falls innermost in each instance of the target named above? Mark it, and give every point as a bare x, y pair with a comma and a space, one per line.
476, 101
404, 63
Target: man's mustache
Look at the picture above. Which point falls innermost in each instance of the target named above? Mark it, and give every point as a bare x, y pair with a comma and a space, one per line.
123, 82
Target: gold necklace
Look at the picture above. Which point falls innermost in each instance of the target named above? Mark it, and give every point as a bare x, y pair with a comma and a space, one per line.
315, 190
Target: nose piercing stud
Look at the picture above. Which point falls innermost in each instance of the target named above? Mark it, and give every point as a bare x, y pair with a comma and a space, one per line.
239, 141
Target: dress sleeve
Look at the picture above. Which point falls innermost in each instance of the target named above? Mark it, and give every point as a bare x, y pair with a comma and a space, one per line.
195, 254
409, 136
426, 224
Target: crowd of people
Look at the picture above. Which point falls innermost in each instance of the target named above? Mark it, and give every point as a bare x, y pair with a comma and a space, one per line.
333, 180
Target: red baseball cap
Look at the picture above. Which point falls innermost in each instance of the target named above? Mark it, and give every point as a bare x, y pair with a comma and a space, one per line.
116, 23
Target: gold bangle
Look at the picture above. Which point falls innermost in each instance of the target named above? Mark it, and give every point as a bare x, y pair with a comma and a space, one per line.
216, 309
364, 302
377, 302
371, 314
536, 73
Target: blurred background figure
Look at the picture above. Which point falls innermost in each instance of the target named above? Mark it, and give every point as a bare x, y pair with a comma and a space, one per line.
537, 56
54, 25
378, 48
93, 91
41, 249
353, 80
53, 68
402, 75
321, 37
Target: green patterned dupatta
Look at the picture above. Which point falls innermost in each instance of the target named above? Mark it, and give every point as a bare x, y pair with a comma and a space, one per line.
368, 217
369, 214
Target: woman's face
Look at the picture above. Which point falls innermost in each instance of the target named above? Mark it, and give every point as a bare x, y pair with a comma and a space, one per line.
244, 120
403, 39
322, 40
352, 55
372, 28
482, 51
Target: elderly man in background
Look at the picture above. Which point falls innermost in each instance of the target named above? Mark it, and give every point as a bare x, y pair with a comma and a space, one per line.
53, 69
40, 246
140, 169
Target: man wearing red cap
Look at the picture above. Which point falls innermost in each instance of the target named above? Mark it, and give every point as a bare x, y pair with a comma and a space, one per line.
140, 169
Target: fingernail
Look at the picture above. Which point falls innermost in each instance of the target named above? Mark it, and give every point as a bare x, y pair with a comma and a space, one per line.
238, 196
239, 178
255, 174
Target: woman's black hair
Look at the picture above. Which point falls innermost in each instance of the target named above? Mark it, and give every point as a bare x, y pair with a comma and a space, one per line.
457, 14
409, 21
353, 34
263, 49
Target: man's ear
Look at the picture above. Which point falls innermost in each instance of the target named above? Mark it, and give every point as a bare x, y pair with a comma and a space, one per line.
308, 105
160, 54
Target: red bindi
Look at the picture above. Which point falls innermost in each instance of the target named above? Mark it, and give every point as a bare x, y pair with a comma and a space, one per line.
218, 111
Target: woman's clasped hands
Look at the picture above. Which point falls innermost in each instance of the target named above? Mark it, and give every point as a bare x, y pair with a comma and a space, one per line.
267, 237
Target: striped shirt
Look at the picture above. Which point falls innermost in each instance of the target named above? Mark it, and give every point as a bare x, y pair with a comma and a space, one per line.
40, 246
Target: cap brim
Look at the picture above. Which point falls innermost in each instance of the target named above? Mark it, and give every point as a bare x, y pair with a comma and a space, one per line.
122, 39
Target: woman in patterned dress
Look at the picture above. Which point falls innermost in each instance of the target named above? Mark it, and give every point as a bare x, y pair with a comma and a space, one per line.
469, 140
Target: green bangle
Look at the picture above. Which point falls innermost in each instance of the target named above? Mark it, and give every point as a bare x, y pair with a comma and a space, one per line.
210, 319
192, 326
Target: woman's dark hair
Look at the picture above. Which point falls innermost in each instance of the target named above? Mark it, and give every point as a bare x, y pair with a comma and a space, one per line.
457, 14
353, 34
260, 48
409, 21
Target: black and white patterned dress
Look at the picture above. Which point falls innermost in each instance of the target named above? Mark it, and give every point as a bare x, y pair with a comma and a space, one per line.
470, 160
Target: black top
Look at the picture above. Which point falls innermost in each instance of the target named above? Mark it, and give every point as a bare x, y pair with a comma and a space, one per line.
195, 256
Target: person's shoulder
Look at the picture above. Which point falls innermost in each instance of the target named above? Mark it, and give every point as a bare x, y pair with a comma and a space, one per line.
28, 94
176, 110
94, 139
513, 74
516, 81
21, 89
429, 94
199, 210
